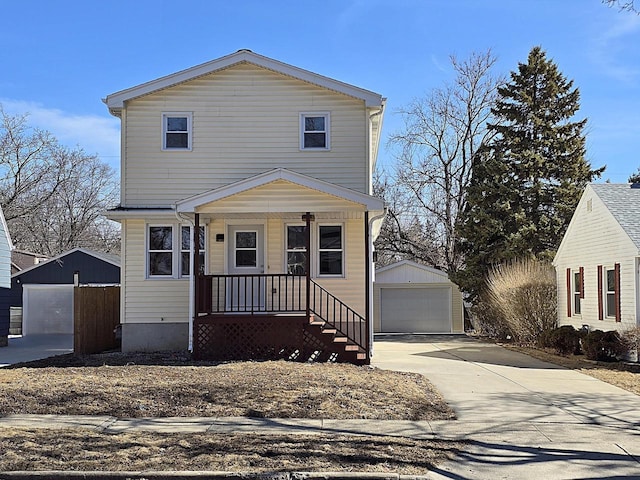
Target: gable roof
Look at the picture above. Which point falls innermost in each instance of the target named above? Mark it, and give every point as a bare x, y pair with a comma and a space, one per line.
105, 257
367, 201
115, 101
624, 204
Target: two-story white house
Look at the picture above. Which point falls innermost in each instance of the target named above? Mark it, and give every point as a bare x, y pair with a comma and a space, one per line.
257, 176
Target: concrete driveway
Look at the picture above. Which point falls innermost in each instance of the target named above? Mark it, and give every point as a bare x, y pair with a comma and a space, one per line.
524, 418
34, 347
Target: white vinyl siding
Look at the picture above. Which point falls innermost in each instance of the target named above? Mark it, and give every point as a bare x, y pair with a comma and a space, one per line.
594, 239
145, 300
248, 122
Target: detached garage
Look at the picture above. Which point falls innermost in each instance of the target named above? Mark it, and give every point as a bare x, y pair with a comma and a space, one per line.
43, 293
412, 298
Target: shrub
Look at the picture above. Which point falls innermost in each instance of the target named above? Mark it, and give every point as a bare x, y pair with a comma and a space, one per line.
603, 346
485, 322
521, 297
631, 340
564, 340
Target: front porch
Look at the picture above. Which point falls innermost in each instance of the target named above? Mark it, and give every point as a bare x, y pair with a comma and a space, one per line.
289, 275
259, 317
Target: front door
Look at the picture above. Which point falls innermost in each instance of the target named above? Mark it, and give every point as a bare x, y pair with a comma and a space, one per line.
245, 258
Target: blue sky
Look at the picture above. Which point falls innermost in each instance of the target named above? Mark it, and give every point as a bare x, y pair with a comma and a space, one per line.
60, 58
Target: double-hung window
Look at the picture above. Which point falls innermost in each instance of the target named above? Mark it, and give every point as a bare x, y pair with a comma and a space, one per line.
168, 250
296, 250
186, 250
176, 131
314, 131
330, 250
610, 292
577, 292
160, 251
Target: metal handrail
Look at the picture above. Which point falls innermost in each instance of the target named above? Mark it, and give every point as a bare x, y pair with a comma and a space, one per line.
337, 314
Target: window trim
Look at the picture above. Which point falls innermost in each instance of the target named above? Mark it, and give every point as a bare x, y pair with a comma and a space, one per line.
189, 131
577, 290
148, 250
327, 130
318, 250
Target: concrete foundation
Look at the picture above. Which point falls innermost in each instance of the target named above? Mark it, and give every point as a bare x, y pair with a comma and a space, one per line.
155, 337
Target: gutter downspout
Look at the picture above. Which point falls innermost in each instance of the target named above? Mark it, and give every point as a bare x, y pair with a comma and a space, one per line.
372, 279
192, 307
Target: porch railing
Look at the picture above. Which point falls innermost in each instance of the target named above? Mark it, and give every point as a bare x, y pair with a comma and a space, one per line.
257, 293
279, 293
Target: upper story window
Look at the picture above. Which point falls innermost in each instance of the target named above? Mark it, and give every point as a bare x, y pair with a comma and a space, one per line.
176, 131
314, 131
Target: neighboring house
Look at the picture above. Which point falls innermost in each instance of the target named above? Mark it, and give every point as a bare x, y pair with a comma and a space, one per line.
5, 274
413, 298
272, 165
44, 292
21, 259
598, 261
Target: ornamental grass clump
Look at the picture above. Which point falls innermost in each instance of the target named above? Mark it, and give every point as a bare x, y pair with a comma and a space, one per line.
522, 295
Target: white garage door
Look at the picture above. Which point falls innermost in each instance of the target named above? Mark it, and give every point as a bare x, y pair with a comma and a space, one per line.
47, 309
415, 310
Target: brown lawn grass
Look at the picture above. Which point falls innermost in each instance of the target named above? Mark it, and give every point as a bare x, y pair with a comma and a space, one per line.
120, 386
158, 385
32, 450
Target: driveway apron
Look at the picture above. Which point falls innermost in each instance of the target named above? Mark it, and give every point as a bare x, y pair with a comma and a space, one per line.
523, 417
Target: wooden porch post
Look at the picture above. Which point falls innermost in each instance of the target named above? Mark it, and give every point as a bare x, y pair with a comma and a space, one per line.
367, 276
307, 263
196, 263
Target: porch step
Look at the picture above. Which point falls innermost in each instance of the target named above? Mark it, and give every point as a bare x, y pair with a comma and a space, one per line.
340, 339
349, 347
329, 331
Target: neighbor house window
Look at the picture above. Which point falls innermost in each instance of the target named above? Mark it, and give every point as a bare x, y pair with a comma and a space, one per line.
160, 251
610, 292
186, 250
296, 250
577, 292
314, 131
176, 131
330, 250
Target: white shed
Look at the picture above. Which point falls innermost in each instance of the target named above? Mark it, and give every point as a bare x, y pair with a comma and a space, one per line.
413, 298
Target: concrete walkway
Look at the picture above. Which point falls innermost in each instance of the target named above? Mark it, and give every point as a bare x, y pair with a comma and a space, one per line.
34, 347
525, 418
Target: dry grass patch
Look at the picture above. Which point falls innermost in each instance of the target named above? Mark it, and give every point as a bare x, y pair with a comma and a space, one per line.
120, 386
36, 449
625, 376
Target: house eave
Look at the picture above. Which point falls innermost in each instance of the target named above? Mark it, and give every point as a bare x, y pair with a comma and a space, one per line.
116, 100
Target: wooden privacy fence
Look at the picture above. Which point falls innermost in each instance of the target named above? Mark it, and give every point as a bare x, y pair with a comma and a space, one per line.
96, 314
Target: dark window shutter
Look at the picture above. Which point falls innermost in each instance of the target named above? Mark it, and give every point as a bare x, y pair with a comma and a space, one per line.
569, 293
617, 294
600, 310
581, 282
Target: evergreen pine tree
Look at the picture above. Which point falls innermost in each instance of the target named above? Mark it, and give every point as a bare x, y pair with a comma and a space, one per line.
527, 181
635, 177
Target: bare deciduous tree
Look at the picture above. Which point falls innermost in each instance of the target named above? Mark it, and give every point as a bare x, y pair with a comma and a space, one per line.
441, 134
53, 196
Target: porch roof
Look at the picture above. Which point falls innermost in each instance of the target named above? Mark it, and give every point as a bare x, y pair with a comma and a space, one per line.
274, 191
